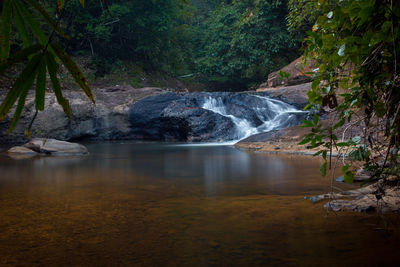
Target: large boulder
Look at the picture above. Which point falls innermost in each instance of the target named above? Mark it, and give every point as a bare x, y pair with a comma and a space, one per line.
176, 117
295, 95
105, 120
298, 74
55, 147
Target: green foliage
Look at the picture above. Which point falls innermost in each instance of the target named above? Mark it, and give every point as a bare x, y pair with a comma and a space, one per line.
39, 53
355, 45
152, 32
245, 40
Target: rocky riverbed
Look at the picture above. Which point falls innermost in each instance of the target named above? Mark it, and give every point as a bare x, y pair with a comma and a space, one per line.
155, 114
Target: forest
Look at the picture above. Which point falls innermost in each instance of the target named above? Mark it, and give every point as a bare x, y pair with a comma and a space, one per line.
231, 44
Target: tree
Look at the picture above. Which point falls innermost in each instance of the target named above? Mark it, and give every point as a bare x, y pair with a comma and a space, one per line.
246, 40
356, 47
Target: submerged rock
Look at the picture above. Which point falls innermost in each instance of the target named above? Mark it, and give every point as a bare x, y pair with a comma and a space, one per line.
375, 197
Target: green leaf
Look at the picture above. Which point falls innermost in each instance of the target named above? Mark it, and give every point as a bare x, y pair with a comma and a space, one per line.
342, 144
52, 68
40, 85
21, 102
82, 2
304, 141
74, 70
5, 33
339, 124
31, 22
315, 119
356, 140
21, 28
380, 109
307, 123
322, 169
324, 154
345, 168
20, 56
18, 87
349, 177
47, 17
315, 84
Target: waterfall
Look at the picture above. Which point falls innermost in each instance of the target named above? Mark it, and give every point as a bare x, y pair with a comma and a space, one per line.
271, 114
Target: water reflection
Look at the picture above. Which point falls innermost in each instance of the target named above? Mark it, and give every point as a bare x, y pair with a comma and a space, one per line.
221, 170
157, 204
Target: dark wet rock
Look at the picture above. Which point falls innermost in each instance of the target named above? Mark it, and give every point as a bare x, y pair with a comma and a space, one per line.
204, 116
174, 117
295, 95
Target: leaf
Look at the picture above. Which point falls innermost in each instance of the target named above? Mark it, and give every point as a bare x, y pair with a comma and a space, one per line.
18, 87
21, 102
339, 124
52, 68
40, 85
342, 144
324, 154
356, 139
74, 70
380, 109
345, 168
315, 119
82, 2
349, 177
20, 56
307, 123
21, 28
322, 169
304, 141
31, 22
315, 84
5, 33
47, 17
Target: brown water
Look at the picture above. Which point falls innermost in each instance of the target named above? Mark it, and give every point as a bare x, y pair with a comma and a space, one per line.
165, 205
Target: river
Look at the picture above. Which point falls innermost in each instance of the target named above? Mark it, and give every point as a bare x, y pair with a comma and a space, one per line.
161, 204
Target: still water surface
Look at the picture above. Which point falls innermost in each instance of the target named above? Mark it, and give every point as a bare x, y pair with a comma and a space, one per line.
129, 204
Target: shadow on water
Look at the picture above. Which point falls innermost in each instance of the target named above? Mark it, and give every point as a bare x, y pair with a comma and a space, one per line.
162, 204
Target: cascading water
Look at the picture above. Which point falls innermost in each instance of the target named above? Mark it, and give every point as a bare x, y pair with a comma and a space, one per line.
216, 117
271, 113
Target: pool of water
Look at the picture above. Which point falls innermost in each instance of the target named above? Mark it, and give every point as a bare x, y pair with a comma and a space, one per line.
150, 204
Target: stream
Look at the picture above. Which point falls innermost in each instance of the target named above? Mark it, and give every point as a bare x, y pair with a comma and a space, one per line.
168, 204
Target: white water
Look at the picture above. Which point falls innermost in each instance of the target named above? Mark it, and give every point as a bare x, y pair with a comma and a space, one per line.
273, 113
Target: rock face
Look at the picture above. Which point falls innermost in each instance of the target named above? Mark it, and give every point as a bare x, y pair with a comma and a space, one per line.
174, 117
297, 71
295, 95
208, 116
105, 120
154, 114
